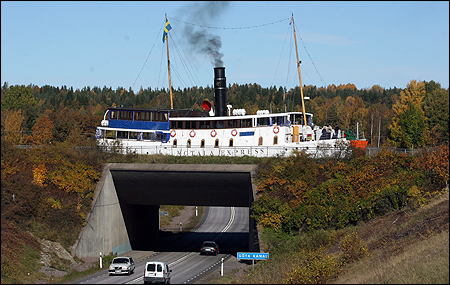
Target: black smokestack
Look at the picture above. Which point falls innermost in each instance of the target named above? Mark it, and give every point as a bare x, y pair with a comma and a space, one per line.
220, 92
204, 13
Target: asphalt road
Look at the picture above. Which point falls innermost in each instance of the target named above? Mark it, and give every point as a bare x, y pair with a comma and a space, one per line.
228, 226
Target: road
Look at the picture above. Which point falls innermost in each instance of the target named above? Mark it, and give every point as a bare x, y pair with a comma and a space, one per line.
228, 226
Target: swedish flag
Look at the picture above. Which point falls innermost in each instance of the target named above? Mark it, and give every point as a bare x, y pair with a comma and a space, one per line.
166, 30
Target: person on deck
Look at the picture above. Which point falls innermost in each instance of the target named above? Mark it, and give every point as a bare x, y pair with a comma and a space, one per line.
336, 131
324, 133
329, 131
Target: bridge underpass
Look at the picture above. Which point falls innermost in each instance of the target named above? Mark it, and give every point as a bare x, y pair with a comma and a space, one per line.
125, 212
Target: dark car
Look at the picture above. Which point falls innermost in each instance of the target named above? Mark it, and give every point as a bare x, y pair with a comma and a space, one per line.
209, 247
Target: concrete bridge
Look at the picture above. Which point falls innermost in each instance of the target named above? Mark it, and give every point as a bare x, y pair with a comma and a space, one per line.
126, 201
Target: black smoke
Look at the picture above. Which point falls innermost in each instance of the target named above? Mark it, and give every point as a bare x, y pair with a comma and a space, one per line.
204, 13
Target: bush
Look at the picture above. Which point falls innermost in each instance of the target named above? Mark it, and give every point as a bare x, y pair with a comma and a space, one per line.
352, 247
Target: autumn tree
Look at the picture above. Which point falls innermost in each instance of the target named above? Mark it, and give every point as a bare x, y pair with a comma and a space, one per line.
42, 130
408, 126
12, 125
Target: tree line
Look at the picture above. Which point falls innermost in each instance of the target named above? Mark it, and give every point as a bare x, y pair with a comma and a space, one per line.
408, 117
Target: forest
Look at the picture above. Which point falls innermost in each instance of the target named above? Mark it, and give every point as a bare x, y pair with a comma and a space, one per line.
50, 164
408, 118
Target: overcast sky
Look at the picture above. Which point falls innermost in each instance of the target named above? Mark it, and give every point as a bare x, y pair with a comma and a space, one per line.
119, 44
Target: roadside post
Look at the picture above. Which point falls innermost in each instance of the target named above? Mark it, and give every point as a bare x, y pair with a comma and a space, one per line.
181, 227
253, 256
101, 263
221, 268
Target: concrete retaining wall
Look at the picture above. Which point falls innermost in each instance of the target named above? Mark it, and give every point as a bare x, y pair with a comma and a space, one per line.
105, 229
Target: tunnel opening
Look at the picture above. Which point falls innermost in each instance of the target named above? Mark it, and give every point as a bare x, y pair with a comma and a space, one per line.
141, 192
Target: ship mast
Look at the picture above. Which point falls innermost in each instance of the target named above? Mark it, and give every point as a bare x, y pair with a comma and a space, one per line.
299, 74
168, 67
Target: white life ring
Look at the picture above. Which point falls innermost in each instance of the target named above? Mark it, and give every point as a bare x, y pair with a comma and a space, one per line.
192, 134
213, 133
234, 132
276, 129
173, 133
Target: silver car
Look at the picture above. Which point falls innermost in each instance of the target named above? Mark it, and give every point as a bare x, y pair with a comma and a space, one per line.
122, 265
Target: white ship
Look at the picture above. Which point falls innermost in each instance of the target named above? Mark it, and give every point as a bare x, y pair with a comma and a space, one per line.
218, 131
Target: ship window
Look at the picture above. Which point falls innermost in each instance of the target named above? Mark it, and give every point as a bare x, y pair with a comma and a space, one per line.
202, 144
133, 135
260, 141
110, 134
263, 121
122, 135
246, 123
146, 136
159, 137
216, 143
187, 125
188, 144
232, 123
220, 125
175, 143
230, 143
275, 140
114, 115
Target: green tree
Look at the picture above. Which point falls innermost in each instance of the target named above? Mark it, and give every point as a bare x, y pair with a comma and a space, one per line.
408, 127
436, 108
18, 97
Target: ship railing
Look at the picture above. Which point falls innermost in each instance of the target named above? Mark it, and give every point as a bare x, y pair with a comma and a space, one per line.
254, 151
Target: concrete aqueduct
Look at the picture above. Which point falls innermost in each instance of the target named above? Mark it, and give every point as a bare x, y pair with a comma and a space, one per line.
125, 209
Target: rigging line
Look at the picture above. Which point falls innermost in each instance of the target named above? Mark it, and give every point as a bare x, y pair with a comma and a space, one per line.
185, 60
303, 43
235, 28
289, 62
279, 60
154, 44
160, 67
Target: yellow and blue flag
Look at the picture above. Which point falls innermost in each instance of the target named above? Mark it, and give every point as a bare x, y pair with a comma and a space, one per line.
167, 28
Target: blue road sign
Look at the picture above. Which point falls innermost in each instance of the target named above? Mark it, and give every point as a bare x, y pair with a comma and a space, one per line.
252, 255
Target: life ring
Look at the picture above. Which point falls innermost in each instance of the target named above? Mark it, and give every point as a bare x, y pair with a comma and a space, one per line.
234, 132
192, 133
276, 129
213, 133
173, 133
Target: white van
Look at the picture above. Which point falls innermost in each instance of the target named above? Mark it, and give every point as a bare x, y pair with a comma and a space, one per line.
156, 272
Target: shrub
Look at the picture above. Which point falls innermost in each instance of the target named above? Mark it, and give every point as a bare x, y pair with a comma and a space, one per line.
315, 267
352, 247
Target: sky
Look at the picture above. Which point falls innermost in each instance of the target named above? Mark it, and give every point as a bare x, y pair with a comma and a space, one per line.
119, 43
